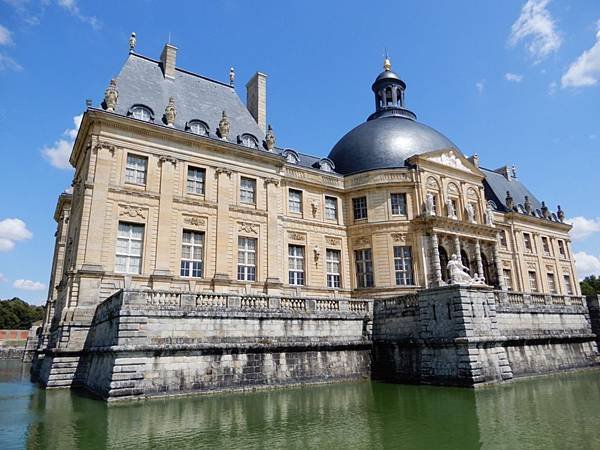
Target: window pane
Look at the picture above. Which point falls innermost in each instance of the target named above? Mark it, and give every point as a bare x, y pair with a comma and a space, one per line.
398, 204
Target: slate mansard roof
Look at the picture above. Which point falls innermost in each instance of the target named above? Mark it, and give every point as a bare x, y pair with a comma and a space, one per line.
384, 142
141, 82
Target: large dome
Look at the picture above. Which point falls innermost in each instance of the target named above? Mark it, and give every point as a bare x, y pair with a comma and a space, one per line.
389, 136
385, 142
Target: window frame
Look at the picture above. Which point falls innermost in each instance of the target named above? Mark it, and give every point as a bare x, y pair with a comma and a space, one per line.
535, 286
567, 284
188, 264
243, 191
135, 169
128, 255
335, 208
364, 268
334, 279
551, 279
196, 181
200, 123
296, 276
246, 271
546, 246
508, 280
357, 209
397, 195
247, 137
298, 203
527, 242
139, 107
403, 273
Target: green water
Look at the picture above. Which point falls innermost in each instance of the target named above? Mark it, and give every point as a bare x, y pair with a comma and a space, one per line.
561, 411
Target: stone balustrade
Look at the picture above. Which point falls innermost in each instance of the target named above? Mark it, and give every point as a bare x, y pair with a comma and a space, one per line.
524, 298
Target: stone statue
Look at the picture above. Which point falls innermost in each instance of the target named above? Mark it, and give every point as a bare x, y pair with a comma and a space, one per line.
478, 279
429, 205
111, 95
451, 210
224, 126
527, 205
170, 112
510, 203
470, 213
317, 253
560, 214
132, 41
489, 215
545, 211
270, 139
457, 272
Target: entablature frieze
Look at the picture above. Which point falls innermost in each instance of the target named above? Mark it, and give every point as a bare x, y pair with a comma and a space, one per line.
133, 192
386, 177
443, 225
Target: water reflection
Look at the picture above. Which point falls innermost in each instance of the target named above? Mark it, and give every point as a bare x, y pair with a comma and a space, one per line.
553, 412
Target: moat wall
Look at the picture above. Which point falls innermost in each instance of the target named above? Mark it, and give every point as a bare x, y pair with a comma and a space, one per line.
457, 335
143, 343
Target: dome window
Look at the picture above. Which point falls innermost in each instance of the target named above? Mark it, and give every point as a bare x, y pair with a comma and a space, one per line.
290, 156
326, 165
141, 112
248, 140
197, 127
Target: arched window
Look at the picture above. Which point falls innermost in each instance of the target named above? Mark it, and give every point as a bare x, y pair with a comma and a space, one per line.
488, 271
443, 262
326, 165
388, 96
198, 127
141, 112
248, 140
290, 156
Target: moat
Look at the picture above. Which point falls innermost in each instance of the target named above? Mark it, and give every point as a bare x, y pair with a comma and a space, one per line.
557, 411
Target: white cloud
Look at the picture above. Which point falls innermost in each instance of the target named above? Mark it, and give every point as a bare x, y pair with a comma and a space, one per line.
5, 36
2, 278
586, 264
12, 230
480, 85
73, 8
8, 63
58, 155
513, 77
28, 285
583, 227
585, 70
537, 28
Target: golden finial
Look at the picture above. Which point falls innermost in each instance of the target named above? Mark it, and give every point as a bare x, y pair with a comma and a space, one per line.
387, 65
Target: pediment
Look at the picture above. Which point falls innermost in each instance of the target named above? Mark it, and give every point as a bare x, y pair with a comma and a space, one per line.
449, 158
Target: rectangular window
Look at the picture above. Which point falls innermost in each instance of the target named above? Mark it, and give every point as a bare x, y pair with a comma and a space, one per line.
533, 284
195, 180
192, 252
527, 242
398, 204
403, 266
551, 283
135, 171
333, 268
248, 190
130, 237
546, 246
246, 259
502, 238
331, 208
359, 206
567, 283
506, 273
561, 249
295, 201
364, 268
296, 264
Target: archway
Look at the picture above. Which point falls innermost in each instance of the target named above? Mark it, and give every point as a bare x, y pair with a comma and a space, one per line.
443, 262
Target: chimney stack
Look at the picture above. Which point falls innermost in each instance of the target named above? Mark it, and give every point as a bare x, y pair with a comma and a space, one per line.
167, 60
256, 99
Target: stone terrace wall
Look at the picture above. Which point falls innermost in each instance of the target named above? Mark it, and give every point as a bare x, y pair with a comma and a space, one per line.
146, 343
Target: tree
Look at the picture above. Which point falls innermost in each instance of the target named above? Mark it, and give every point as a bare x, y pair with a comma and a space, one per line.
590, 285
15, 314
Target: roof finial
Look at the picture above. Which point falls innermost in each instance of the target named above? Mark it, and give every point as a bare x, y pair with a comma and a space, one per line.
231, 76
132, 41
387, 65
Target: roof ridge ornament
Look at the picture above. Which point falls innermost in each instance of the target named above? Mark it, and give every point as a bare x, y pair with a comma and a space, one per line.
111, 95
387, 64
224, 126
132, 42
170, 112
270, 138
231, 76
510, 203
560, 214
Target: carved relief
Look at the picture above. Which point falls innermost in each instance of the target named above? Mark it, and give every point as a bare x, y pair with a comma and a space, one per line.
314, 207
247, 227
195, 221
451, 160
273, 181
333, 241
225, 170
132, 211
453, 189
104, 146
362, 240
506, 264
398, 237
472, 194
296, 236
166, 158
531, 266
432, 183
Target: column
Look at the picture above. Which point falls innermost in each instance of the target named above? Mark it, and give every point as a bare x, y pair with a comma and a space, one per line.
457, 246
499, 266
273, 237
162, 263
435, 254
478, 259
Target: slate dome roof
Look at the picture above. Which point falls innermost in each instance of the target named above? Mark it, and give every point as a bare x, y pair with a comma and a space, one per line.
389, 136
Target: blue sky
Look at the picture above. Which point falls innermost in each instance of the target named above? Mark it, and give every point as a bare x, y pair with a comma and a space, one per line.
516, 81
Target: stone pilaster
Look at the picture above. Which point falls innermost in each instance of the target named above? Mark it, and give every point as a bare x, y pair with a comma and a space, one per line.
162, 265
274, 238
224, 229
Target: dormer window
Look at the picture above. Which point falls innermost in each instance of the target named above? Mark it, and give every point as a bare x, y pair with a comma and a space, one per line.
326, 165
290, 156
141, 112
248, 140
197, 127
